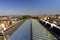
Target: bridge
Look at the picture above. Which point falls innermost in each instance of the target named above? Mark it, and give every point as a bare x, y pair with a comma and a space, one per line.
31, 29
54, 29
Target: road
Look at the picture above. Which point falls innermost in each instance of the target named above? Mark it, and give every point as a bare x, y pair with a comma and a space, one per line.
32, 30
41, 33
11, 30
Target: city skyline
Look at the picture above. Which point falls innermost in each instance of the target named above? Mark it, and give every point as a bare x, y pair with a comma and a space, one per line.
22, 7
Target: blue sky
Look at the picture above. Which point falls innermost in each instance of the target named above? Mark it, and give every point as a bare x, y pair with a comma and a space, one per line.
20, 7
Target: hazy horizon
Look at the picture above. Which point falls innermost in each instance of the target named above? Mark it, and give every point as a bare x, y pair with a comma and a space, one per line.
29, 7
